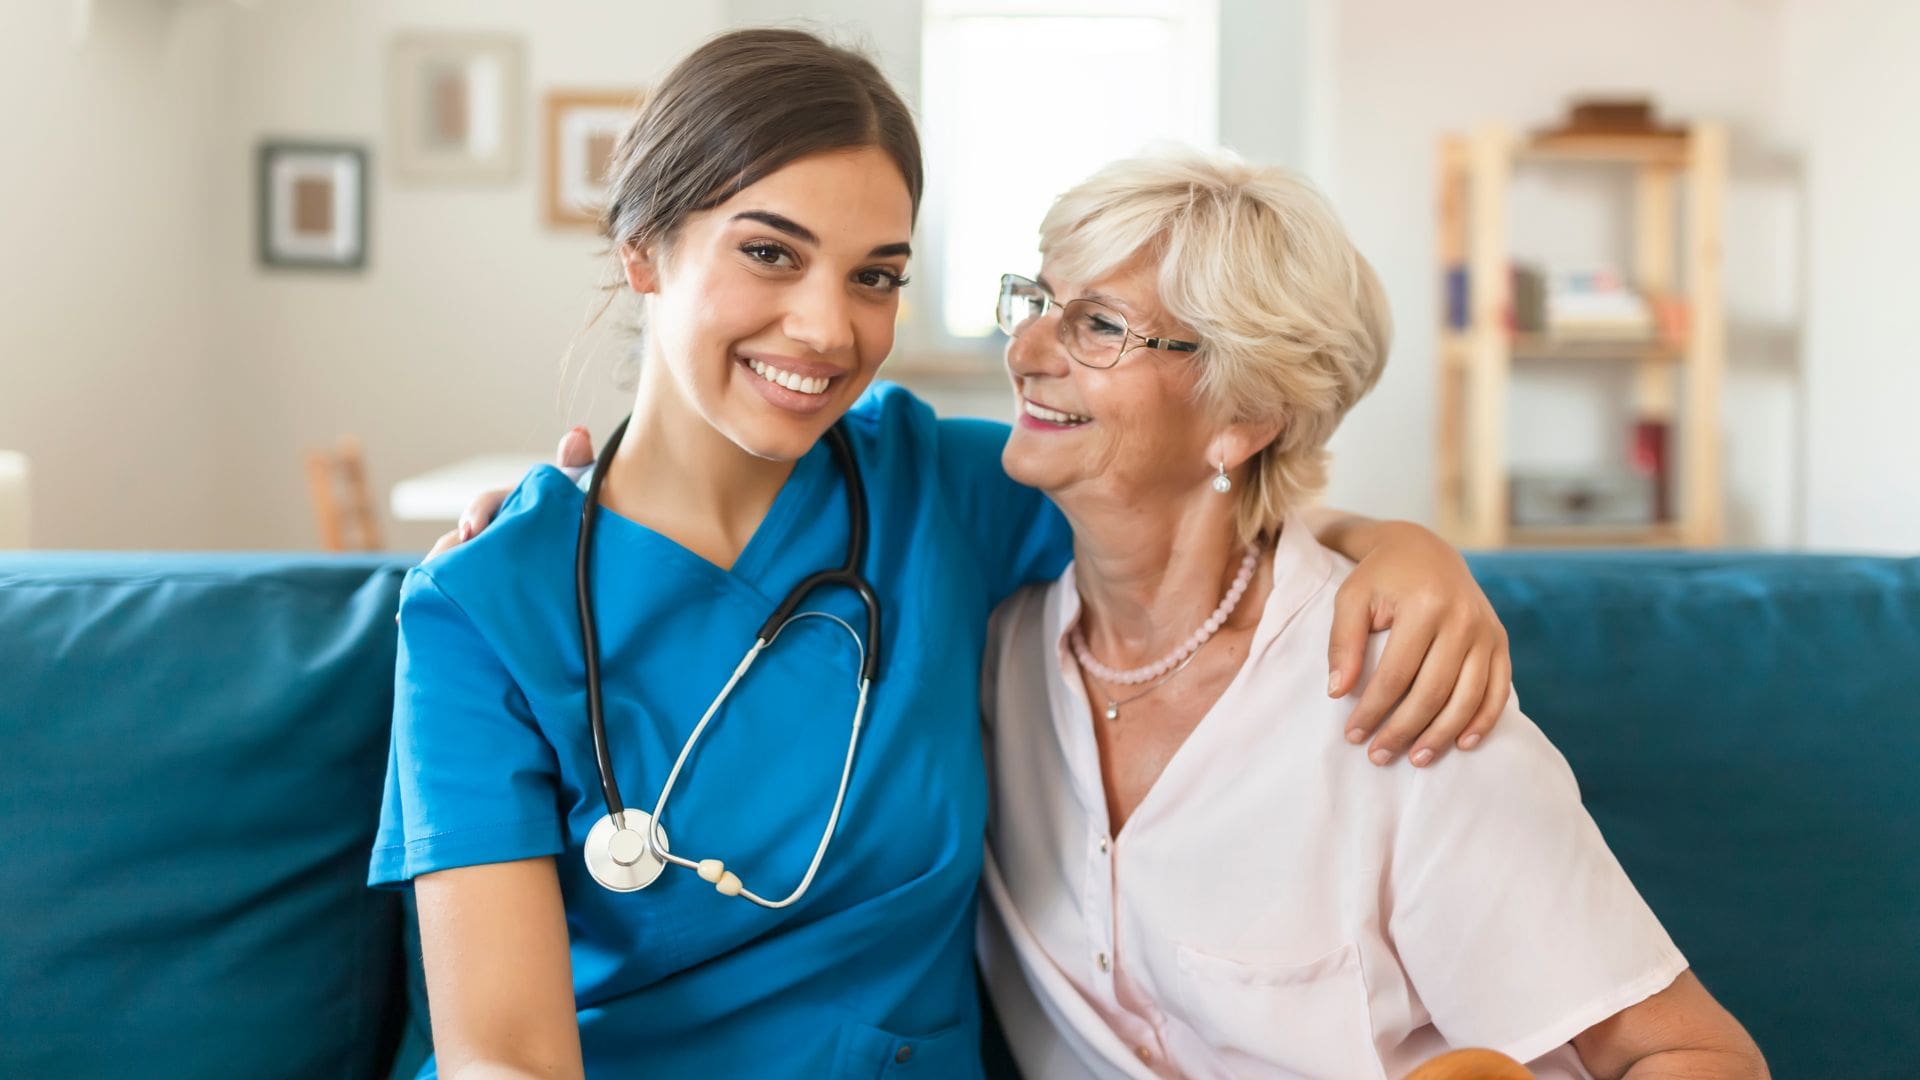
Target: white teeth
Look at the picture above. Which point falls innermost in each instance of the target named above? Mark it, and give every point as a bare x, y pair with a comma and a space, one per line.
1041, 412
802, 384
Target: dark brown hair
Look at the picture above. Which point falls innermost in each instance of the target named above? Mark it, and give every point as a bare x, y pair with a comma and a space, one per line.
740, 107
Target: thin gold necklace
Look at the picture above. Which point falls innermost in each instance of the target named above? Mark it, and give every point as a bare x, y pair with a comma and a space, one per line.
1113, 707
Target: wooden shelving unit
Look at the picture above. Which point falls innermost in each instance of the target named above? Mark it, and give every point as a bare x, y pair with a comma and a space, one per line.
1676, 381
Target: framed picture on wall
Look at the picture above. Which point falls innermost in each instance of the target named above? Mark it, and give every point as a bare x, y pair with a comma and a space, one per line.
312, 204
456, 104
583, 128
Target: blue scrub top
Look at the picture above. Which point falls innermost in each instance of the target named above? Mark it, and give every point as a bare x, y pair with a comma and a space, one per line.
871, 972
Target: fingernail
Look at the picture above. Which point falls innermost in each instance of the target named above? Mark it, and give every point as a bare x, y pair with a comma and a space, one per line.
466, 531
1421, 757
1380, 756
1333, 682
1356, 736
1470, 740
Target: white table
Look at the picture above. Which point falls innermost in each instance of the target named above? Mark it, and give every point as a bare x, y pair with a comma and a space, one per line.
13, 499
443, 494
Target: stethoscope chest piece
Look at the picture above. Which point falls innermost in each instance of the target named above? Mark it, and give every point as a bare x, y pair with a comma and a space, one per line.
618, 858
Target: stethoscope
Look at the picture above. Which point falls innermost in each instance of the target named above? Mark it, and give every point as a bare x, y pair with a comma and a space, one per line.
627, 849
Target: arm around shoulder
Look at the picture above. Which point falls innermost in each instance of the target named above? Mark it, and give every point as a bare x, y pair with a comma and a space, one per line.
1444, 678
499, 977
1352, 535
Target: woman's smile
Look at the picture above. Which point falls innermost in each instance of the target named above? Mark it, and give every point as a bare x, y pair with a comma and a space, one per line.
1040, 417
797, 386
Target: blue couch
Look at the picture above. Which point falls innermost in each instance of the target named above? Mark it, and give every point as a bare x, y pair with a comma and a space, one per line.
192, 747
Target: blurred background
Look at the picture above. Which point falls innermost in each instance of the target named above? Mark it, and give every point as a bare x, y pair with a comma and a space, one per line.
303, 273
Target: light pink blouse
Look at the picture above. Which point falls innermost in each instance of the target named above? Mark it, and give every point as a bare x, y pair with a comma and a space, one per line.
1277, 905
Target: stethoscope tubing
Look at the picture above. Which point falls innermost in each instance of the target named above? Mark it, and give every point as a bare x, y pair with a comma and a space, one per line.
693, 740
847, 575
590, 632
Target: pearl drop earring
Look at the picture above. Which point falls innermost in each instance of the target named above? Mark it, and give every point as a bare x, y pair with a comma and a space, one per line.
1220, 482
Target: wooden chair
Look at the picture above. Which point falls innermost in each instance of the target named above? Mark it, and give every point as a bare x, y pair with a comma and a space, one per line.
1471, 1065
342, 504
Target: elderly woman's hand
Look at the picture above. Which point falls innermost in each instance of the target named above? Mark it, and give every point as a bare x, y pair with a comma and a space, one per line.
1446, 674
575, 452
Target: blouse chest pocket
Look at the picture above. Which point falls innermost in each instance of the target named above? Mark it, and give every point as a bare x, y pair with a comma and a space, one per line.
1258, 1014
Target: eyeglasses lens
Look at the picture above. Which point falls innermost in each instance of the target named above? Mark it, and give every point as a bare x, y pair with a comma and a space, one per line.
1093, 333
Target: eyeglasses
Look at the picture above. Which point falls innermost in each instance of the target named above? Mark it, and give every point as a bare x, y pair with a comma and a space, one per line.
1094, 334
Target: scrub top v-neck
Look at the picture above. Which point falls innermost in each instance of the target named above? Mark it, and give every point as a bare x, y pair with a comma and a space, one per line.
871, 972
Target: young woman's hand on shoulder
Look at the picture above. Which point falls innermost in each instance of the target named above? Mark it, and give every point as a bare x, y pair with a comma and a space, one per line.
1446, 673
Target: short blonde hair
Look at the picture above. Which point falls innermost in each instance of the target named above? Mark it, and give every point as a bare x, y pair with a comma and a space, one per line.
1292, 322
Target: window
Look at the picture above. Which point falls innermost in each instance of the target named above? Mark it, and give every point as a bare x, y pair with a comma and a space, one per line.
1021, 99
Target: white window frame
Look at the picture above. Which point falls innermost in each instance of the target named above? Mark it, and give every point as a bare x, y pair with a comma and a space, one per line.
1194, 63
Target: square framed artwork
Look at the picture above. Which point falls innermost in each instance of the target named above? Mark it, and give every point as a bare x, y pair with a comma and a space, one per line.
457, 102
583, 129
313, 205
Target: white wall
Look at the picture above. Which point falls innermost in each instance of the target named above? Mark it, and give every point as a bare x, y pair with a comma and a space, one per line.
1821, 377
1853, 94
1403, 74
105, 270
164, 384
451, 342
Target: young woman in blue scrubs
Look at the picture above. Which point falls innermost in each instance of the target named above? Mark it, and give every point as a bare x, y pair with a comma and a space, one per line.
762, 208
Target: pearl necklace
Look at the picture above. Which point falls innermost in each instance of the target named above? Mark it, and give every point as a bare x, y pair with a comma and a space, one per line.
1170, 664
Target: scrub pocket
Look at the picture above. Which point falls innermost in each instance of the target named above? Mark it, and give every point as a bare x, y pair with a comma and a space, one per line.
1255, 1013
869, 1053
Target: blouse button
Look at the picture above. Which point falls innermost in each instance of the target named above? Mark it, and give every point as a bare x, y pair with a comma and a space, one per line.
1101, 959
903, 1055
1103, 845
1145, 1055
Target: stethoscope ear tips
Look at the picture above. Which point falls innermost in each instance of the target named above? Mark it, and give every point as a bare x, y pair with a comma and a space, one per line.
618, 858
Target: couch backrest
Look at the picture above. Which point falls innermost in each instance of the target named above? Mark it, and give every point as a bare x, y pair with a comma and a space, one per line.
191, 757
192, 748
1746, 731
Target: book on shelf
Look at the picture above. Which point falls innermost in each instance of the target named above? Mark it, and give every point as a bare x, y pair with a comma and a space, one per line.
1650, 459
1529, 293
1573, 306
1596, 305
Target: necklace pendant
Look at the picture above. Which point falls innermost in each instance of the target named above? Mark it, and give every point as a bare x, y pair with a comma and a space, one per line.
1113, 710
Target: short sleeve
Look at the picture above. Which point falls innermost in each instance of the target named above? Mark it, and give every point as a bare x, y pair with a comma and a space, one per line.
1020, 536
1515, 923
470, 777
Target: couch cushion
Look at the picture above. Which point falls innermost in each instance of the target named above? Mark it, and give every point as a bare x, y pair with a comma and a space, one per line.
1746, 730
192, 751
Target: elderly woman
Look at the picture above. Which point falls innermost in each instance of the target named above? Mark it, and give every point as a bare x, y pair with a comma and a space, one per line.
1190, 873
